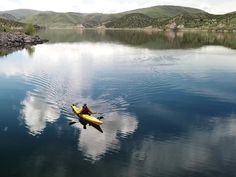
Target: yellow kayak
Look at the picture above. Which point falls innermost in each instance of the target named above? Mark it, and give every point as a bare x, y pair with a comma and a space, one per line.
88, 118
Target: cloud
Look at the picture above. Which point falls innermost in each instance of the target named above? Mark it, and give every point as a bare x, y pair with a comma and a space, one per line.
112, 6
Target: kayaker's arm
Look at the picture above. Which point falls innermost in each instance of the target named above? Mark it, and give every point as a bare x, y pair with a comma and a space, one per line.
89, 110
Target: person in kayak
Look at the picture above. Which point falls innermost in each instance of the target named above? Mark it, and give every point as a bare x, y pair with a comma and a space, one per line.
86, 110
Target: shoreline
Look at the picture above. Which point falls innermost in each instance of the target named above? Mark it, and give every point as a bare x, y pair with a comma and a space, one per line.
146, 29
19, 39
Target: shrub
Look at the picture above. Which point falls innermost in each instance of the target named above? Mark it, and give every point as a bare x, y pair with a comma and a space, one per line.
29, 29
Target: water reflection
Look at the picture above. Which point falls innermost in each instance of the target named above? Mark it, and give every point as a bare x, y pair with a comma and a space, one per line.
115, 125
189, 154
167, 112
144, 39
30, 50
85, 123
36, 113
4, 51
56, 87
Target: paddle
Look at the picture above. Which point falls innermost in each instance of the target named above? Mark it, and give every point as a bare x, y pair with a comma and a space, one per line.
71, 123
101, 117
97, 113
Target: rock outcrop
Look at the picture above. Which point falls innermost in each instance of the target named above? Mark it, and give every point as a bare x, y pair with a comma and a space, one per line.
18, 39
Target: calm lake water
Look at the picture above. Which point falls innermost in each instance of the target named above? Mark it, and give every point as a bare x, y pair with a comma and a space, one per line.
168, 101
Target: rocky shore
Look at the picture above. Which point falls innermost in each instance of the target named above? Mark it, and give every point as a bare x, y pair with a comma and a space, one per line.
18, 39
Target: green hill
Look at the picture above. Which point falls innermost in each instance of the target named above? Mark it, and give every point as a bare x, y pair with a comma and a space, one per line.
165, 12
185, 20
21, 14
204, 21
54, 19
8, 16
11, 25
8, 25
134, 20
70, 19
157, 16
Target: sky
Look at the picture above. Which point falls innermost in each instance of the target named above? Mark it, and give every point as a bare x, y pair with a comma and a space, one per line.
114, 6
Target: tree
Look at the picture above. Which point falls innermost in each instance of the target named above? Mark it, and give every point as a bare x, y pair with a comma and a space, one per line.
29, 29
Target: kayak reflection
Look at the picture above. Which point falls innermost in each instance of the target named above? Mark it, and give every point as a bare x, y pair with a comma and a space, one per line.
85, 123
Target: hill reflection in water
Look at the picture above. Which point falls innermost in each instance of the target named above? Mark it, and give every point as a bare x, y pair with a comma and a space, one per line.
144, 39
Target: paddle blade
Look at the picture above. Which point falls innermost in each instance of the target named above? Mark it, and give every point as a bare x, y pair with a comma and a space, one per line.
71, 123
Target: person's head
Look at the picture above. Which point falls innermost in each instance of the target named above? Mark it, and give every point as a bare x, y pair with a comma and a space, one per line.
85, 105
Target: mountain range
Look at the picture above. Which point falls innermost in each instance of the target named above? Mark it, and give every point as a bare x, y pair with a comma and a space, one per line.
158, 16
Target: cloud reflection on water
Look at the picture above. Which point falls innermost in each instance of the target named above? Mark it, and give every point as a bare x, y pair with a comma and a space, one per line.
94, 144
187, 154
36, 113
60, 75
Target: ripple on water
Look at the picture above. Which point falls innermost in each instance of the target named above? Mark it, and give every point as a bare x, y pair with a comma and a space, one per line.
52, 98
